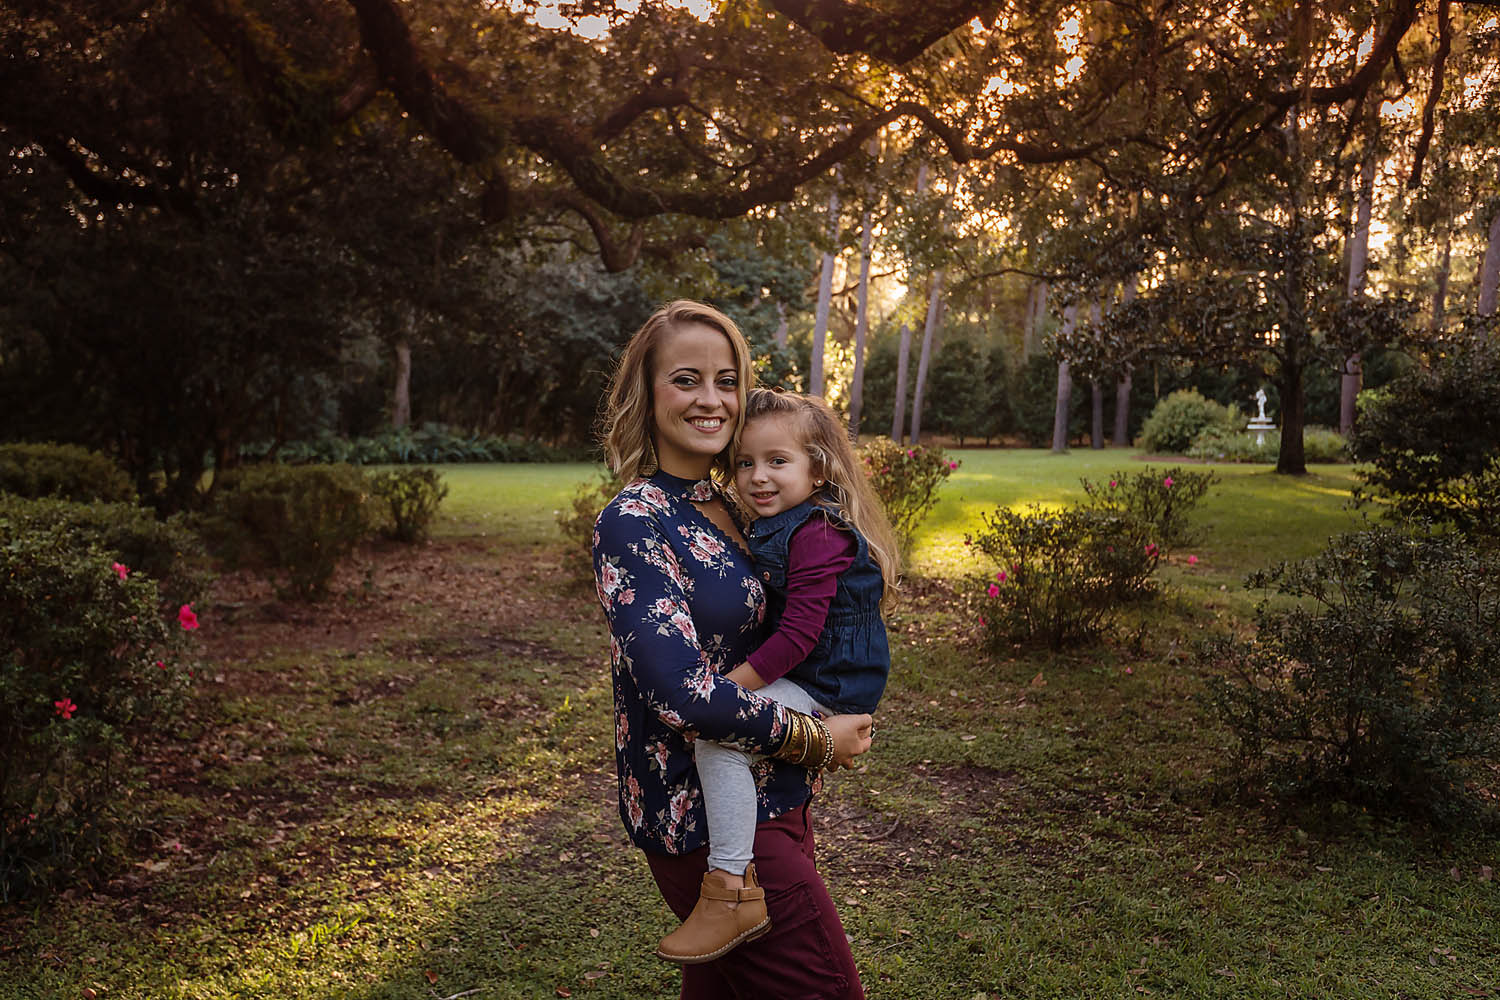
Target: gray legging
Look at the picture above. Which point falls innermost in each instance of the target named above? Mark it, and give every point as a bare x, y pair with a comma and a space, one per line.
729, 789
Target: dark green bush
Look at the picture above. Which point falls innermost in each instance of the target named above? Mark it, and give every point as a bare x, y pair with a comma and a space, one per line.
1379, 686
90, 661
907, 479
1182, 416
64, 471
1220, 444
167, 551
298, 520
411, 497
1060, 576
431, 444
1430, 436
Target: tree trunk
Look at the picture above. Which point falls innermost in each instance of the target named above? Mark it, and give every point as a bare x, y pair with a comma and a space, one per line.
903, 359
825, 300
779, 337
1440, 286
1291, 458
1064, 389
1489, 274
861, 326
1121, 436
1359, 251
1096, 392
1064, 403
401, 408
934, 307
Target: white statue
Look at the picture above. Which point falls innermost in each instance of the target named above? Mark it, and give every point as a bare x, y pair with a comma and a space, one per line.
1260, 400
1261, 423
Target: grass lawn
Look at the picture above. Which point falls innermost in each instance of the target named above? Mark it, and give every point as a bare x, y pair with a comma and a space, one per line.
408, 792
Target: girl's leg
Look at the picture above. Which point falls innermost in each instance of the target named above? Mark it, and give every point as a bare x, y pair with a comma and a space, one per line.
729, 790
729, 802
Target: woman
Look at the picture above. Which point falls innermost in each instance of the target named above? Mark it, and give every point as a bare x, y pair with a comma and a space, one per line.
684, 606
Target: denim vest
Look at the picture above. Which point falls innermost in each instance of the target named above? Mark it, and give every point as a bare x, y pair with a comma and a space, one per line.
848, 666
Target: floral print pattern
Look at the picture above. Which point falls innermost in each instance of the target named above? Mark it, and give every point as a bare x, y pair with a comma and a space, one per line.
684, 607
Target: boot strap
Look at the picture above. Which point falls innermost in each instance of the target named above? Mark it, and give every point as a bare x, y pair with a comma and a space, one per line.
710, 891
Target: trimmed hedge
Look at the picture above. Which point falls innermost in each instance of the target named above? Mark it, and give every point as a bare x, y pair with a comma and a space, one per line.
431, 444
297, 521
63, 471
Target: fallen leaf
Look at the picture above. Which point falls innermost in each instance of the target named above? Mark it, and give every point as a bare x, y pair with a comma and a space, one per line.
89, 994
593, 932
562, 992
431, 976
1039, 681
1486, 873
595, 974
968, 738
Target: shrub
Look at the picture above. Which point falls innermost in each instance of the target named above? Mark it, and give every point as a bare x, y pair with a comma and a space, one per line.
1180, 417
1380, 686
166, 551
65, 471
907, 480
1428, 447
1059, 576
1220, 444
412, 497
89, 661
577, 521
1156, 503
431, 444
298, 520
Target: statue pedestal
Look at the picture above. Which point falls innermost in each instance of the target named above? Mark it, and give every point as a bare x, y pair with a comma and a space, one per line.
1260, 425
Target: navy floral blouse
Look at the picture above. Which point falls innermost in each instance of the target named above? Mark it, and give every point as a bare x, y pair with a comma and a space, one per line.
684, 607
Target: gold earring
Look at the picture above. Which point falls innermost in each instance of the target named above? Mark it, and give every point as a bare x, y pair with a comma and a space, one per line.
648, 463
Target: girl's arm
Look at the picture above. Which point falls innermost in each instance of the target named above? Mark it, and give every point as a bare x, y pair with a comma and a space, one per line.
641, 586
817, 553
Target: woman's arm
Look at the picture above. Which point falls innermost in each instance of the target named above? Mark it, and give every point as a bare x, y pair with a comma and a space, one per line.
643, 591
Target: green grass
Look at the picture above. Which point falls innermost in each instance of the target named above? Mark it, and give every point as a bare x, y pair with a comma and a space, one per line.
418, 800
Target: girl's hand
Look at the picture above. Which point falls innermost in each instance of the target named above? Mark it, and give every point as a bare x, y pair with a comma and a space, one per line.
851, 737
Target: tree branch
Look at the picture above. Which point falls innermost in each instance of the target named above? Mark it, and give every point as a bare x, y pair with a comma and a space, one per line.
1439, 60
896, 37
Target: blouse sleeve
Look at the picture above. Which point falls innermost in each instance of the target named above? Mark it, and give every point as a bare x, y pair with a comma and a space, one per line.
643, 591
816, 554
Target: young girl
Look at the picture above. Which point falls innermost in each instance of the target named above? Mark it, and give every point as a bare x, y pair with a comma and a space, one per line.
827, 555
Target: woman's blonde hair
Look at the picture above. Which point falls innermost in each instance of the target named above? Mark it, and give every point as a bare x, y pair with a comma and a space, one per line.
848, 491
627, 420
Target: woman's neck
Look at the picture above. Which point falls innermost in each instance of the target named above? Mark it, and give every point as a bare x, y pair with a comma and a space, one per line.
689, 470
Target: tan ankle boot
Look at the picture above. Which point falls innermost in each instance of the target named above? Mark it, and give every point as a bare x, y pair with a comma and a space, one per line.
714, 928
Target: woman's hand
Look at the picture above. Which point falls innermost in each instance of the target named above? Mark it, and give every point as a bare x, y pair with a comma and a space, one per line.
851, 737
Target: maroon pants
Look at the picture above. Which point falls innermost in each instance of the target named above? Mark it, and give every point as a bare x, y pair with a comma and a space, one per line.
805, 956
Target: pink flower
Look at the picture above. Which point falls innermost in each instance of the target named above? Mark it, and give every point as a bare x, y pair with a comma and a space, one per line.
952, 465
186, 618
911, 453
1192, 560
65, 707
121, 570
1130, 670
1113, 483
161, 665
1001, 576
1167, 482
981, 619
1151, 548
994, 591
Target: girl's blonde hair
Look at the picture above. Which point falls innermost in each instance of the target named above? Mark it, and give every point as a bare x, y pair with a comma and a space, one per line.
822, 435
627, 420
